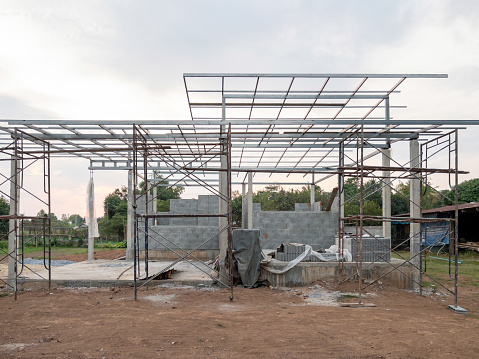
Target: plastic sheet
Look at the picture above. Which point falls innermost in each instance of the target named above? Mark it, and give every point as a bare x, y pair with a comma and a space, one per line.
90, 217
247, 255
324, 257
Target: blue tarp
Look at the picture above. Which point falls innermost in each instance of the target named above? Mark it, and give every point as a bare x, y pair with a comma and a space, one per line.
436, 234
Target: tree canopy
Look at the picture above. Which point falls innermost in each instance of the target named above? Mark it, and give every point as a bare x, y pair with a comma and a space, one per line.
4, 210
276, 198
115, 205
467, 191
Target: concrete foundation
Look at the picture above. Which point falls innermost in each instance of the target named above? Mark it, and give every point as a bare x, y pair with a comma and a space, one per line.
306, 273
113, 273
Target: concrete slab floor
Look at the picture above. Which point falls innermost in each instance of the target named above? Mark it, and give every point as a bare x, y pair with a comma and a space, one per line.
112, 270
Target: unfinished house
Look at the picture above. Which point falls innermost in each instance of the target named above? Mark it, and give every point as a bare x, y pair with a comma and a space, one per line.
246, 131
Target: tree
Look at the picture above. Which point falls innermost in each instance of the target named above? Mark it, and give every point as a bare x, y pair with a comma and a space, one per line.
430, 197
113, 204
165, 193
237, 208
76, 220
4, 211
467, 191
275, 198
399, 204
116, 207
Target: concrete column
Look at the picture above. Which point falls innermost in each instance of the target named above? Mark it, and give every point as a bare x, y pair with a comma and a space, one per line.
250, 200
14, 207
91, 239
129, 218
386, 193
223, 208
312, 193
153, 198
244, 215
415, 204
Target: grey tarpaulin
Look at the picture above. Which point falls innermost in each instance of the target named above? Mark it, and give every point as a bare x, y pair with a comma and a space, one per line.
247, 255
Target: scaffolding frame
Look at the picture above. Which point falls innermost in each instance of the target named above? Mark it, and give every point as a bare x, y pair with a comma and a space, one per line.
146, 151
22, 152
291, 124
446, 142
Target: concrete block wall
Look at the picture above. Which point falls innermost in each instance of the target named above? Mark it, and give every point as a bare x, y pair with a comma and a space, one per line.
186, 233
306, 227
302, 207
141, 207
183, 206
277, 227
208, 205
185, 237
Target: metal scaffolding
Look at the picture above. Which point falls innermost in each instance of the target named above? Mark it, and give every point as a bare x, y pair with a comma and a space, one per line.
24, 152
290, 125
416, 169
147, 151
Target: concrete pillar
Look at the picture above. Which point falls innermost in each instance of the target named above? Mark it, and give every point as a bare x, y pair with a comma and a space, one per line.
415, 203
386, 193
14, 207
223, 208
250, 200
312, 193
244, 215
129, 218
91, 238
153, 196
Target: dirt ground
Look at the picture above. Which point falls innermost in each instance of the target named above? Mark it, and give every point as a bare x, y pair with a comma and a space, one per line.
103, 254
201, 322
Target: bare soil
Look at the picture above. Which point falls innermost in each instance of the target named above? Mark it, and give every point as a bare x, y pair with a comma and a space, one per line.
104, 254
192, 322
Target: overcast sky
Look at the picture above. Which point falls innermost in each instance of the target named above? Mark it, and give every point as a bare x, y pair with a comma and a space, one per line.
125, 60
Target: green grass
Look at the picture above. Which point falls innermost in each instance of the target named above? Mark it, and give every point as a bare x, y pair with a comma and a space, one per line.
37, 252
438, 269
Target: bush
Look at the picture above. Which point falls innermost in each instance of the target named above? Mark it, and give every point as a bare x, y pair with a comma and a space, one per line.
115, 245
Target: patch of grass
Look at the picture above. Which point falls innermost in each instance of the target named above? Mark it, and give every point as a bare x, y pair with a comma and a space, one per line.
37, 252
343, 296
438, 267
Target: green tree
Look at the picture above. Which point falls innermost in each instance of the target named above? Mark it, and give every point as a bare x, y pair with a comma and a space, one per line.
275, 198
165, 192
76, 220
4, 211
399, 204
467, 191
116, 207
430, 197
237, 208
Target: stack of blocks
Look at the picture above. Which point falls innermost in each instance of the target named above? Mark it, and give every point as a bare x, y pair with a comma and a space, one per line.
292, 251
375, 249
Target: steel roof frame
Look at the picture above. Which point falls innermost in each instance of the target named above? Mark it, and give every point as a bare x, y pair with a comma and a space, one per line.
281, 140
